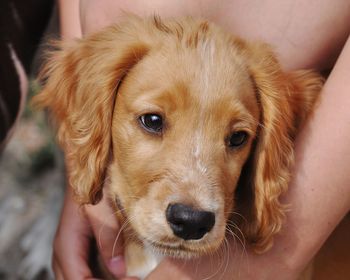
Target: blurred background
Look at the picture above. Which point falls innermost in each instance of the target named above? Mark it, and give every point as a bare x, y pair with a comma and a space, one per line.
31, 192
31, 166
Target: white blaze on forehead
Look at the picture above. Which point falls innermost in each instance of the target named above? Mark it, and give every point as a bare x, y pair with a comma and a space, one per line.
197, 173
207, 51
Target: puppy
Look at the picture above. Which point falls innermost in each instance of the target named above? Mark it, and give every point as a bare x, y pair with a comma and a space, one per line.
189, 124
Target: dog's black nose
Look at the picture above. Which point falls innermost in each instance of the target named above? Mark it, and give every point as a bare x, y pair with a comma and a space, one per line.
188, 223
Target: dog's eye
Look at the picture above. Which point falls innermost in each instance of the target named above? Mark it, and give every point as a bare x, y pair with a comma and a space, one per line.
152, 123
237, 139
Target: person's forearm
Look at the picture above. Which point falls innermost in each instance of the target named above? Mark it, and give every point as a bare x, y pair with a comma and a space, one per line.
69, 18
320, 192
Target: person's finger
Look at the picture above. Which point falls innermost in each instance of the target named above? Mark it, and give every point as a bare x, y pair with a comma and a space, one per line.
107, 232
57, 270
72, 242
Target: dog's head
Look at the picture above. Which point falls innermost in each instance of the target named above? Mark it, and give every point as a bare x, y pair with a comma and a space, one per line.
192, 126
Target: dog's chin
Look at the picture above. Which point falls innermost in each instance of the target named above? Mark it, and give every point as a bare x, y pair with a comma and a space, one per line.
182, 250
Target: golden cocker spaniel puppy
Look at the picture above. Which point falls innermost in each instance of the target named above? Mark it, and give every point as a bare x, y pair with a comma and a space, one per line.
192, 127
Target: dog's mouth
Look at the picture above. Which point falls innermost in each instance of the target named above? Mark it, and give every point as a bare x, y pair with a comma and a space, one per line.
182, 250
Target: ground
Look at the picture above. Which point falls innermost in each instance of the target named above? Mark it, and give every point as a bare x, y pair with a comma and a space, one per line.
31, 194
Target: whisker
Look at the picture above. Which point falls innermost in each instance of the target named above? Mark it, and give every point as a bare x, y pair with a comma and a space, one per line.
103, 225
229, 213
244, 252
229, 230
125, 224
219, 252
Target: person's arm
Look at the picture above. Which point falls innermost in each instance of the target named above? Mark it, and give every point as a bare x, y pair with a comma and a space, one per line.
320, 192
319, 195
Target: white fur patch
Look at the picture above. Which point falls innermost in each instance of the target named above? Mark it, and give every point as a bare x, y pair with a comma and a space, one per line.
151, 261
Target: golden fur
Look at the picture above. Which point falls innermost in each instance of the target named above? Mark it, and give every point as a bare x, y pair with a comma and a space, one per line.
206, 84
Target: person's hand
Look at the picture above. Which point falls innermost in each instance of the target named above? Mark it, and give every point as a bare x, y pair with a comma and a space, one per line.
232, 261
72, 242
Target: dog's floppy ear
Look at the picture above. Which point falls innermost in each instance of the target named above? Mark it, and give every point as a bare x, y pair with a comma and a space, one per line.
285, 100
81, 80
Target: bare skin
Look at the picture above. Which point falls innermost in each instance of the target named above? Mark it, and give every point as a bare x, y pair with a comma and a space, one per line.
305, 34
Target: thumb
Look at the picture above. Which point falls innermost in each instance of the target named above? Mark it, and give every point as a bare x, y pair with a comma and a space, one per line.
107, 232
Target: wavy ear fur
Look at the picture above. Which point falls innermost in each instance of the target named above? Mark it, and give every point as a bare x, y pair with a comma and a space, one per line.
81, 80
285, 100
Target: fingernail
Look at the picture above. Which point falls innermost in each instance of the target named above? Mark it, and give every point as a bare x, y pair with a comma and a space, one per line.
116, 266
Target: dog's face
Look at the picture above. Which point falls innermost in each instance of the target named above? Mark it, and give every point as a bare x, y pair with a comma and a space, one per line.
182, 128
180, 115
